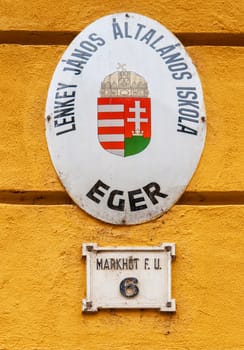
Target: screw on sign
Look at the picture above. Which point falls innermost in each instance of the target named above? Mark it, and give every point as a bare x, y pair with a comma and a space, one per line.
125, 138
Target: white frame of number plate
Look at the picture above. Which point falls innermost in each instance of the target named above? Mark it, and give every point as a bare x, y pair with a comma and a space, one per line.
92, 302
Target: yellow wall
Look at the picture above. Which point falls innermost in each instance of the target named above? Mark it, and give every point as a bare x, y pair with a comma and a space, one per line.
42, 277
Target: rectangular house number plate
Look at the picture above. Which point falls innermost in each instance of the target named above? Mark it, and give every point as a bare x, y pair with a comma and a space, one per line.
128, 277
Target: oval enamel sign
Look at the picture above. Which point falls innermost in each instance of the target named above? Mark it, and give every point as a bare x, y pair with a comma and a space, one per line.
125, 119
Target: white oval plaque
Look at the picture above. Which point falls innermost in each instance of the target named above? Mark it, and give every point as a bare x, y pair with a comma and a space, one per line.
125, 119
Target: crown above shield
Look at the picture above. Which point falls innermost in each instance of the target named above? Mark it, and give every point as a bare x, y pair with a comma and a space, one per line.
124, 113
124, 84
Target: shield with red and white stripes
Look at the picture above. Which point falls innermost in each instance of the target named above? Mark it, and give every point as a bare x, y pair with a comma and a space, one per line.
124, 124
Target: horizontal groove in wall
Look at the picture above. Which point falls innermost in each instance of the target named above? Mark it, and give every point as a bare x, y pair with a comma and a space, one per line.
212, 198
62, 198
34, 197
24, 37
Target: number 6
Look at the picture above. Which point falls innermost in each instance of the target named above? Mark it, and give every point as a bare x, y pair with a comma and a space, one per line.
128, 287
